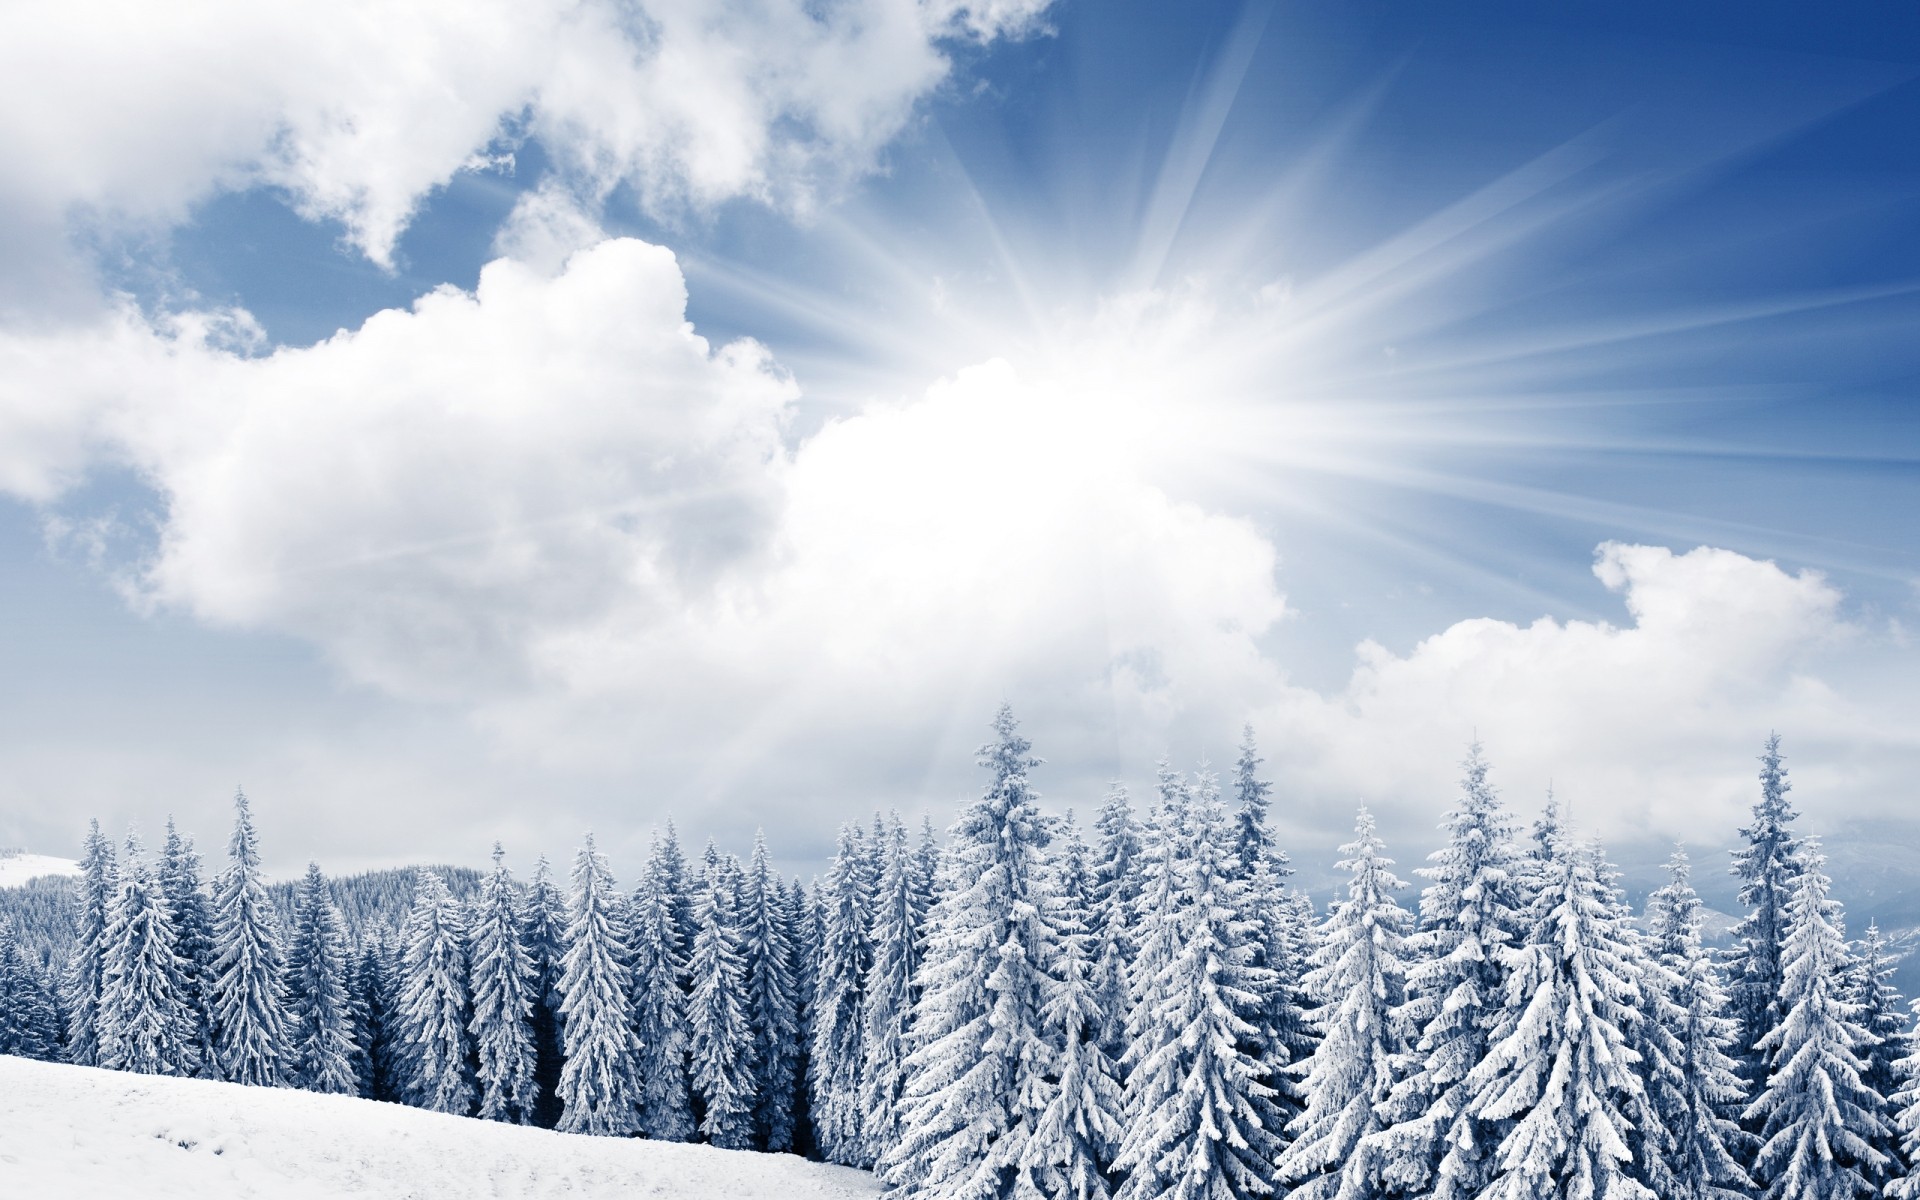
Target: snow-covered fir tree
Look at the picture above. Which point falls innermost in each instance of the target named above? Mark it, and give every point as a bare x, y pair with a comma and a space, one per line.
803, 929
250, 1039
1358, 976
432, 1001
659, 998
145, 1023
379, 1066
319, 1012
1078, 1135
193, 938
720, 1041
1697, 1104
1471, 911
976, 1083
846, 955
889, 994
502, 979
1882, 1014
1559, 1067
1252, 838
1768, 867
28, 1026
99, 885
598, 1091
543, 932
1283, 1035
1116, 896
1818, 1120
772, 1000
1905, 1107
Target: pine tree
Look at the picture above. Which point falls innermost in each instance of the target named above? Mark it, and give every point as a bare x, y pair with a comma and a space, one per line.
599, 1093
249, 1006
1870, 985
1696, 1104
145, 1024
1818, 1119
658, 1004
1078, 1135
889, 997
1470, 913
503, 999
846, 955
1559, 1066
1116, 896
99, 884
27, 1018
720, 1039
433, 999
975, 1078
319, 1014
1768, 867
193, 937
1359, 977
773, 1006
543, 933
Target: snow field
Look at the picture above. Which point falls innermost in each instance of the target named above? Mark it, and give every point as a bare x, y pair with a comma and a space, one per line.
76, 1133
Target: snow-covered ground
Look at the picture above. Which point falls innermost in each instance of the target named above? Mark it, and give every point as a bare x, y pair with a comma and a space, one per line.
16, 867
84, 1134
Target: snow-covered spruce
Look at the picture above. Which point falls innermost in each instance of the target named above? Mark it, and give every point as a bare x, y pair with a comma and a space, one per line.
99, 883
1818, 1120
659, 998
1194, 1121
1435, 1143
1769, 867
898, 911
846, 956
1116, 895
319, 1013
501, 975
598, 1093
772, 999
720, 1040
1359, 977
29, 1017
432, 1000
145, 1022
193, 938
543, 928
1698, 1104
250, 1041
1073, 1148
976, 1083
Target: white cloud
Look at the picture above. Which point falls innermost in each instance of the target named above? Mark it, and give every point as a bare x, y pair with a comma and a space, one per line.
554, 507
128, 114
1647, 728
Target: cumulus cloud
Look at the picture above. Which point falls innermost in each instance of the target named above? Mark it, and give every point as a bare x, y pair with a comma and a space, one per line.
553, 507
126, 115
1647, 728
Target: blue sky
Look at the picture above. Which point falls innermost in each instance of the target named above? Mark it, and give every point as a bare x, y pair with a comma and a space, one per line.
1133, 363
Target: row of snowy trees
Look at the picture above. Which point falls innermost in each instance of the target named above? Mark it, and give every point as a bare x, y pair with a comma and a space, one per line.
1158, 1013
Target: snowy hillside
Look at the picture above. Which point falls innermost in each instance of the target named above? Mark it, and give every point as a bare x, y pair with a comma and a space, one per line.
83, 1134
17, 867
